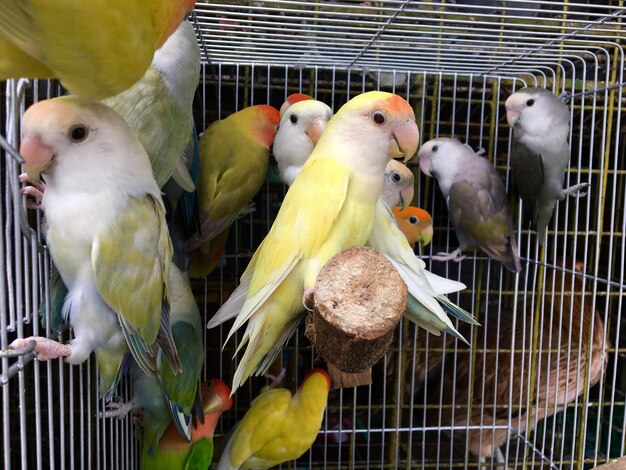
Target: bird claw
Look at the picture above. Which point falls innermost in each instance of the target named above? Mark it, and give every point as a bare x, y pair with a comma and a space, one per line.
117, 410
34, 189
307, 298
45, 348
276, 379
576, 190
455, 256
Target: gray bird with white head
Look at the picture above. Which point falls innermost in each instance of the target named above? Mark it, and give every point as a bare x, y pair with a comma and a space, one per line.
540, 153
476, 200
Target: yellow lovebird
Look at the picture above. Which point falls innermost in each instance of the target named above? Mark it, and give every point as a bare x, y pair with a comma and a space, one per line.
234, 156
278, 427
329, 207
96, 48
416, 224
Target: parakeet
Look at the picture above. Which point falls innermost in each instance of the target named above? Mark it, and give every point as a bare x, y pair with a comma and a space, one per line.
278, 426
106, 234
159, 106
234, 155
397, 189
330, 207
540, 153
174, 453
416, 224
476, 200
96, 49
301, 126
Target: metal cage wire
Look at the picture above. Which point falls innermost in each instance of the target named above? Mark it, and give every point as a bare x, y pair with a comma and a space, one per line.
455, 62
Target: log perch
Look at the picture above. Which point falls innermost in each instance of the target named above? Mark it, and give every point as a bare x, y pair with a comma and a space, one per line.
359, 299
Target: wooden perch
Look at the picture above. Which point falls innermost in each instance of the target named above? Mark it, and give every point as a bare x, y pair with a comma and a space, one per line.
359, 299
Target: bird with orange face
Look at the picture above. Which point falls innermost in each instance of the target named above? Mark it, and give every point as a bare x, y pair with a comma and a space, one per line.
416, 224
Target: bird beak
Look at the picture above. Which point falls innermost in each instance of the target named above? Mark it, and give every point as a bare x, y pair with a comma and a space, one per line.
405, 141
406, 196
316, 129
427, 236
425, 165
213, 404
512, 117
37, 156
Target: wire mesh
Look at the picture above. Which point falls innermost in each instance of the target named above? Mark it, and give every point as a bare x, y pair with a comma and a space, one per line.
434, 402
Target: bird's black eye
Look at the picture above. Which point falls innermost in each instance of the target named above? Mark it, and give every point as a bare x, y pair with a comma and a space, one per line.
435, 148
413, 220
293, 118
530, 102
78, 133
379, 117
395, 177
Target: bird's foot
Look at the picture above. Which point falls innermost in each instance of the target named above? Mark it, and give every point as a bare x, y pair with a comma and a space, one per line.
576, 190
117, 409
34, 189
45, 348
456, 256
276, 380
307, 298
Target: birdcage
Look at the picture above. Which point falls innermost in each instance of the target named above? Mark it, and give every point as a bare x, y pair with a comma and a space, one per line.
541, 384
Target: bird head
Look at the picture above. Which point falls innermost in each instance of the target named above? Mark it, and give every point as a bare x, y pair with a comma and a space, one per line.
293, 99
262, 120
398, 185
443, 158
416, 224
168, 18
73, 134
381, 122
535, 110
215, 396
308, 117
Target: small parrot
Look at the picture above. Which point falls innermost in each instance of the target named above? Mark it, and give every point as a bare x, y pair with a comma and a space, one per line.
106, 234
159, 106
301, 126
96, 49
476, 200
397, 189
416, 224
234, 156
540, 153
330, 207
174, 453
278, 426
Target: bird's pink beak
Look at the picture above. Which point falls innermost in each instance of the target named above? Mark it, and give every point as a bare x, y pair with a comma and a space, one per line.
406, 138
37, 155
425, 165
316, 129
512, 117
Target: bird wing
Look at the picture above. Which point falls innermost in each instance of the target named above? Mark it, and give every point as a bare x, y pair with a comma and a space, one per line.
478, 209
300, 229
130, 260
527, 174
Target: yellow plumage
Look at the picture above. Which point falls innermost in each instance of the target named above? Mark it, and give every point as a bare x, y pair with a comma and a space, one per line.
329, 207
278, 427
85, 44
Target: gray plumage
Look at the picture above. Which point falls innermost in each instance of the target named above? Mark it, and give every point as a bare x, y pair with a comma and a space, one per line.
539, 154
476, 200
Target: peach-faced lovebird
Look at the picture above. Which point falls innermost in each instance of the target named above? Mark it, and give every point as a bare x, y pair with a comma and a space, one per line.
416, 224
